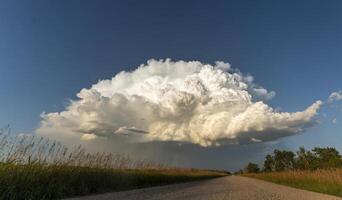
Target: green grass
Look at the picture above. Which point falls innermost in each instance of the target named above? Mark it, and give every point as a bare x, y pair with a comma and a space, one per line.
322, 181
55, 182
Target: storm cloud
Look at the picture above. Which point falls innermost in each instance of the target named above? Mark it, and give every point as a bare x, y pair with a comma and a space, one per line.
177, 101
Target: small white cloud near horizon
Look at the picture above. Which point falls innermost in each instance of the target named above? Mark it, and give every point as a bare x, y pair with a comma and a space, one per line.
334, 121
90, 136
178, 101
335, 96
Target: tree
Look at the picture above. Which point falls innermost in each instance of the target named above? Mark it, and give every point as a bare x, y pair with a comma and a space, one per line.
240, 171
305, 160
252, 168
283, 160
268, 163
327, 157
317, 158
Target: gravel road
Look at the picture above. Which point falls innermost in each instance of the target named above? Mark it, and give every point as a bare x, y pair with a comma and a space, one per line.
226, 188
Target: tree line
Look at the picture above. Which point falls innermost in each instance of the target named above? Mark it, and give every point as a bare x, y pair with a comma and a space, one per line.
283, 160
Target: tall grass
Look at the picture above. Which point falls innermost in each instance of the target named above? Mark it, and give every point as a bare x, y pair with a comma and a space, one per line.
37, 168
324, 181
33, 150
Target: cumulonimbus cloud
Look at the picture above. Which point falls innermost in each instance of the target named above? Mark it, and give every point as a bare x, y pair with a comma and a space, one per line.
179, 101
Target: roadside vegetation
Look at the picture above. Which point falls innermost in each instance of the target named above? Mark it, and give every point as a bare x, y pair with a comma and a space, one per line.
318, 170
36, 168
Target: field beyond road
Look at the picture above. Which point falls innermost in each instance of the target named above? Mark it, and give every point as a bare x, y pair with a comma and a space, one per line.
225, 188
55, 182
327, 181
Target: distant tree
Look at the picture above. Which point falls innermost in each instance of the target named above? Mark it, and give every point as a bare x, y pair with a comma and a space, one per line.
327, 157
268, 163
240, 171
305, 160
283, 160
252, 168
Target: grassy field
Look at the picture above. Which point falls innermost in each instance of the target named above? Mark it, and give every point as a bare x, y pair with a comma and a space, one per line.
36, 168
55, 182
323, 181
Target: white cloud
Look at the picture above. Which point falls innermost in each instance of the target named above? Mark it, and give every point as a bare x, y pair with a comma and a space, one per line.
177, 101
334, 121
88, 137
335, 96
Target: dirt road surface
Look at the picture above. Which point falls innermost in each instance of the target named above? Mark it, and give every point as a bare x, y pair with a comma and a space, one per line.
226, 188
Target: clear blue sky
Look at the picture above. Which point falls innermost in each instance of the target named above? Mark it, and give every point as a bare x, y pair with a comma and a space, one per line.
49, 50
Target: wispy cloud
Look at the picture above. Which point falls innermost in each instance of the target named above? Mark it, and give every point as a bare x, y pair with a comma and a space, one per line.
334, 121
335, 96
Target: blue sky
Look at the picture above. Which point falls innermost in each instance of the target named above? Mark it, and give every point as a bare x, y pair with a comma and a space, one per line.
49, 50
